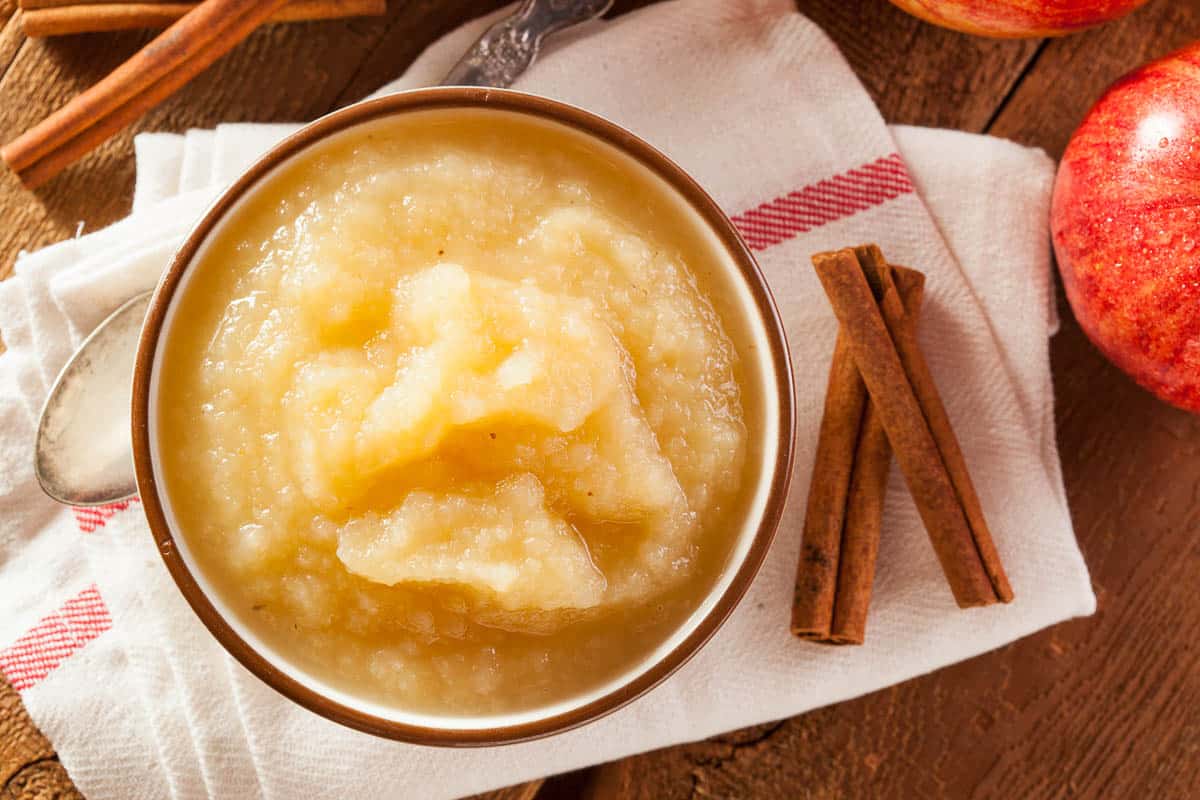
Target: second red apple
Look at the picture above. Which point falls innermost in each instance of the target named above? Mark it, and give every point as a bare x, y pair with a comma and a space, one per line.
1018, 18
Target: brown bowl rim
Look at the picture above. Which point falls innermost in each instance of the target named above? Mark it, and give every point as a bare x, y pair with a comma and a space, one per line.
588, 123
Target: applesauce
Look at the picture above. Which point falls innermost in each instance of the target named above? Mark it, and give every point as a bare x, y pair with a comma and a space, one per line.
449, 417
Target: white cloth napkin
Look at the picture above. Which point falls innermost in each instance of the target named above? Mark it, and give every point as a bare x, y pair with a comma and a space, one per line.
758, 105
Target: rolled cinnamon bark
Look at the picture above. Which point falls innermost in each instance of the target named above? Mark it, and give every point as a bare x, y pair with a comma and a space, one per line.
159, 69
968, 557
868, 487
920, 377
824, 520
66, 17
32, 5
845, 505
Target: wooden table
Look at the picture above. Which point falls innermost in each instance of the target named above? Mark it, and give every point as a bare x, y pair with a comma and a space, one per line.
1096, 707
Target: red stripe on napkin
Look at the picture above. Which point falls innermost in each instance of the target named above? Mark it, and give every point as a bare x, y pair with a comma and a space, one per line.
834, 198
94, 517
61, 633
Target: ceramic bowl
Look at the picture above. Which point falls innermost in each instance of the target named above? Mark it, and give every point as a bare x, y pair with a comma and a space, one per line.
750, 315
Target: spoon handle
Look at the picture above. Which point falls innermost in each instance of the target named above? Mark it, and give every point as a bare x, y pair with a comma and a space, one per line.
508, 48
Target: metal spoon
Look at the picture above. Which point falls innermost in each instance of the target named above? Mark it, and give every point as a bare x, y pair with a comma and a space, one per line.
83, 455
508, 47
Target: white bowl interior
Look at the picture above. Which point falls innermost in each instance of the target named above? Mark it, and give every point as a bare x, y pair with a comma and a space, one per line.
733, 298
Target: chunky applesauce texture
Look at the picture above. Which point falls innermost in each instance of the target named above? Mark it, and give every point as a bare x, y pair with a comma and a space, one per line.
447, 418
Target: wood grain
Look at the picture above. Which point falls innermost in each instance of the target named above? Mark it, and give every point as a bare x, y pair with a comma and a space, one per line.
919, 74
1072, 72
29, 768
525, 791
1102, 707
21, 744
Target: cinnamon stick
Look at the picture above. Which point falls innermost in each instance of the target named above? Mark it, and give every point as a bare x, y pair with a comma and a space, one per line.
73, 16
30, 5
868, 487
159, 69
845, 501
824, 518
871, 318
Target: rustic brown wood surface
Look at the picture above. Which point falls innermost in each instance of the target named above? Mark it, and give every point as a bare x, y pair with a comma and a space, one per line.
1101, 707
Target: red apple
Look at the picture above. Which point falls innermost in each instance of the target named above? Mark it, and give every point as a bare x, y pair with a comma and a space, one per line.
1018, 18
1126, 225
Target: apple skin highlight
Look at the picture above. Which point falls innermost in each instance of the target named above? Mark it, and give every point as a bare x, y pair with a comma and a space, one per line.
1125, 218
1018, 18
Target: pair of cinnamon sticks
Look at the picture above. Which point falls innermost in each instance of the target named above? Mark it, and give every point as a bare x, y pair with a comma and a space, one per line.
882, 399
62, 17
185, 49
